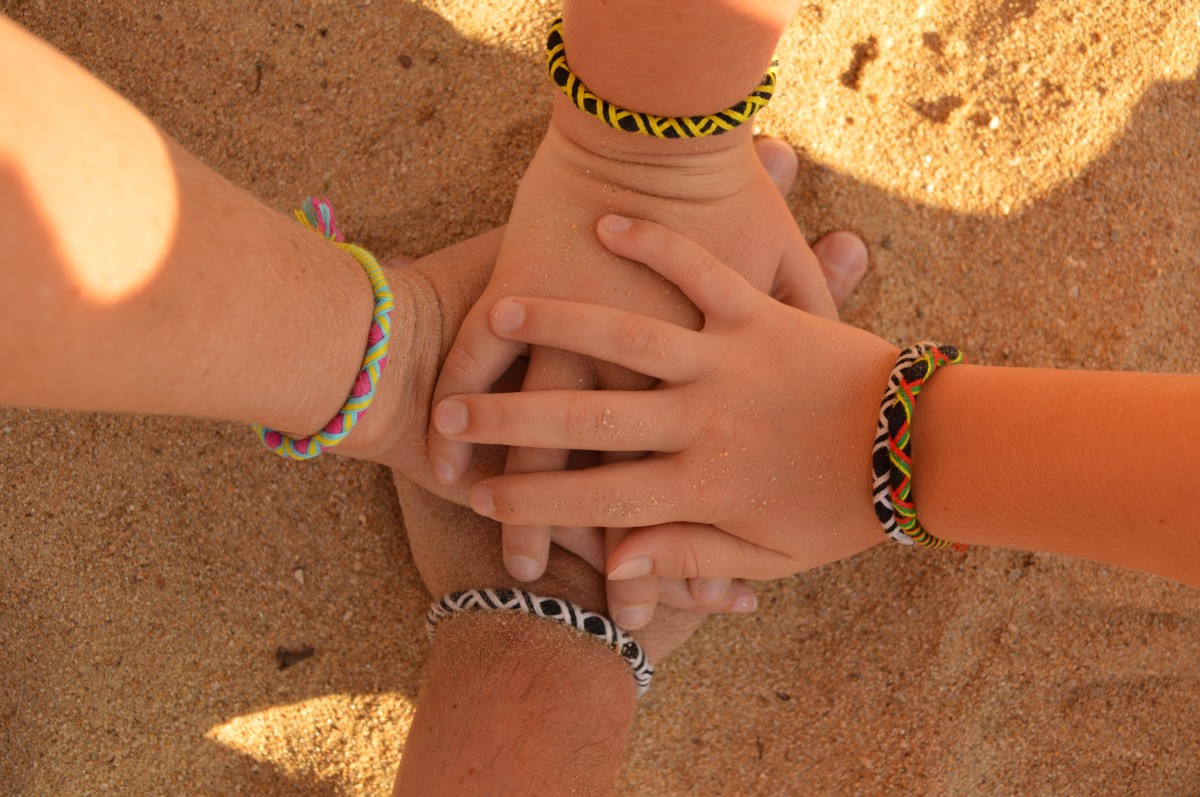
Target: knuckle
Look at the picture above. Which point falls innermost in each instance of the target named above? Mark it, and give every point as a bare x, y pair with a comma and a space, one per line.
634, 339
464, 364
585, 421
688, 563
615, 509
707, 270
702, 488
649, 236
536, 459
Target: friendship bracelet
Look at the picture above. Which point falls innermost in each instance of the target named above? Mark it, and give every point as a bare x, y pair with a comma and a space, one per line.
318, 216
891, 456
645, 123
556, 609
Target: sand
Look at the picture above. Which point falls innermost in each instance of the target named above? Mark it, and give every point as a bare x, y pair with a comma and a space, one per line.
181, 613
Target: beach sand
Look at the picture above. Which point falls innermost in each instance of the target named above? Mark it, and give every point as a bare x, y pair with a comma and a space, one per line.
181, 613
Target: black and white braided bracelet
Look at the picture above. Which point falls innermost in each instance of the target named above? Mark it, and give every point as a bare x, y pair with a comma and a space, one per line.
562, 611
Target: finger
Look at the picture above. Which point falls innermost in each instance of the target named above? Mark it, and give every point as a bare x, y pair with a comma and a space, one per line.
800, 283
686, 594
779, 161
692, 550
843, 258
630, 602
621, 495
709, 595
609, 420
585, 542
642, 344
707, 589
475, 361
526, 548
717, 290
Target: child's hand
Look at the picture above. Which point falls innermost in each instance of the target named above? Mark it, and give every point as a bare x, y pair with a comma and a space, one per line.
762, 425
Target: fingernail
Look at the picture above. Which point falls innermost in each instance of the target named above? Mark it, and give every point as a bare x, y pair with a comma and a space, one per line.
636, 567
443, 472
481, 500
507, 316
450, 417
744, 604
633, 616
712, 588
523, 568
844, 253
615, 223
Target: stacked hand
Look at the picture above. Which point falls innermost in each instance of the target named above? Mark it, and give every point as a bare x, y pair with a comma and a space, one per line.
457, 549
718, 194
719, 496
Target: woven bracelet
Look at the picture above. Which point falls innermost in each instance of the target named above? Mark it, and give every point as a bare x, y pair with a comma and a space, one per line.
645, 123
891, 456
556, 609
318, 215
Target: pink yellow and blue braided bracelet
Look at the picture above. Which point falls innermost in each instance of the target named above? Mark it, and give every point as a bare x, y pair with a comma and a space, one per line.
318, 215
891, 456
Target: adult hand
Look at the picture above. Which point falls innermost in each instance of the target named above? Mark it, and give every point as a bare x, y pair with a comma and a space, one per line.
762, 425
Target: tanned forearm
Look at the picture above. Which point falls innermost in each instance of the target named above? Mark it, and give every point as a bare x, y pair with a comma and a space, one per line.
1098, 465
134, 278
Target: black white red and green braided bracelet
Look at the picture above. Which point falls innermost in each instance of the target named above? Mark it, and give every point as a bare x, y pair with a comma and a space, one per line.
891, 455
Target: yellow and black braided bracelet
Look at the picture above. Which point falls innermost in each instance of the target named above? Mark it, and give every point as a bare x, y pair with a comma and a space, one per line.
645, 123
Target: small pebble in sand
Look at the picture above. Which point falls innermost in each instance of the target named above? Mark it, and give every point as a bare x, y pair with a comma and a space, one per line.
298, 575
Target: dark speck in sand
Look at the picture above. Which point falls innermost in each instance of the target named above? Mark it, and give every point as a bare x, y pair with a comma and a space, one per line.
286, 657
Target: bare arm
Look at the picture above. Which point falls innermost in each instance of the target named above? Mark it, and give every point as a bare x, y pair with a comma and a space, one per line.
1098, 465
136, 279
133, 278
675, 57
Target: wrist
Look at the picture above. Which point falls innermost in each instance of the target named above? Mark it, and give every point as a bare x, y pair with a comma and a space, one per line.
872, 381
316, 358
892, 460
406, 378
692, 170
591, 134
